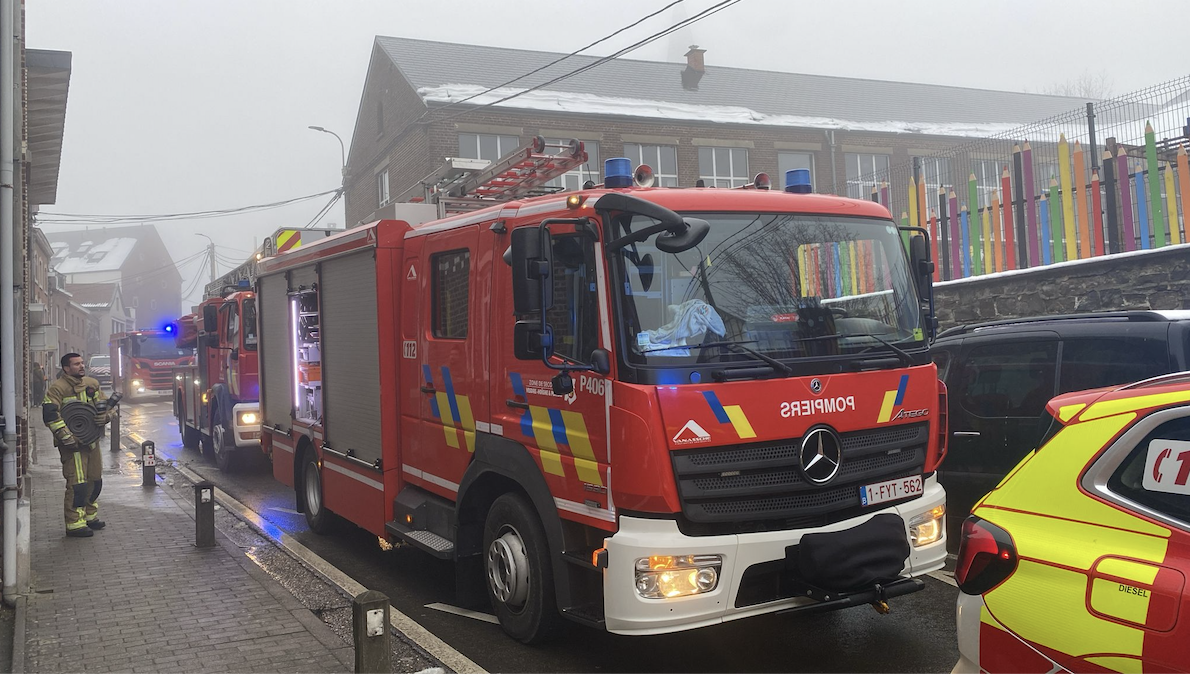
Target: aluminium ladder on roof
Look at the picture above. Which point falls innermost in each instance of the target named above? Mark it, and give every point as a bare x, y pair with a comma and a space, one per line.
462, 185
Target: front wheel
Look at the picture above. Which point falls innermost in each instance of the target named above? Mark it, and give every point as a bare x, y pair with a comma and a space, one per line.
318, 517
520, 579
224, 448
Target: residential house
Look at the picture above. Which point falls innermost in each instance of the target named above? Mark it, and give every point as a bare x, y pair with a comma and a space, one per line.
108, 315
689, 121
133, 257
43, 330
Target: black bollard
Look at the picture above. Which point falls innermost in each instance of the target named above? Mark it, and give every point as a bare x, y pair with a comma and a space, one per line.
115, 429
204, 514
370, 616
148, 460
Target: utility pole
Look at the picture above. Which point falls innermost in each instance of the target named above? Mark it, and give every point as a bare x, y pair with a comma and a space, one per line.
210, 256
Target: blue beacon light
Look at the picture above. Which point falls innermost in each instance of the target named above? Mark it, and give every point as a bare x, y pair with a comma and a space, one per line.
797, 181
617, 172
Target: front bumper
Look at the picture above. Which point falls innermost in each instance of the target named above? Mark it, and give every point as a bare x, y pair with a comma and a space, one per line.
245, 435
626, 612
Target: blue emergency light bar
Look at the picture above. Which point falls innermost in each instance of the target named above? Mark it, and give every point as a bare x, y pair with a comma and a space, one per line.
798, 181
617, 172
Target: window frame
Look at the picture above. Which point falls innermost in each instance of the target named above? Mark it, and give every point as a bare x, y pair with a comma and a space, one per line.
960, 392
588, 317
383, 195
664, 179
435, 303
710, 179
1095, 479
865, 187
500, 149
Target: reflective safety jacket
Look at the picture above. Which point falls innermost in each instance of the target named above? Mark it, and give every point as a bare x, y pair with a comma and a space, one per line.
66, 389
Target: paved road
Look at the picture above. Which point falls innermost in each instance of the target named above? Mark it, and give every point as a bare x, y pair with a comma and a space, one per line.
918, 636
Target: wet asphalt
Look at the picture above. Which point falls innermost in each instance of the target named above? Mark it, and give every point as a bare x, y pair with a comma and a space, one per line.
918, 635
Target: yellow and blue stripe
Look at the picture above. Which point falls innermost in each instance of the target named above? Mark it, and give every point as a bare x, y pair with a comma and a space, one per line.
730, 414
460, 420
555, 429
893, 398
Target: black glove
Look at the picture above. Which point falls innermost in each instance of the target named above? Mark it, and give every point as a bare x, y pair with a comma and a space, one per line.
101, 418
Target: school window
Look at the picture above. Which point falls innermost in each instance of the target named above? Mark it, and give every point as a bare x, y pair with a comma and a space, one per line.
723, 166
486, 145
382, 187
573, 180
575, 320
935, 172
864, 171
987, 179
787, 161
663, 159
451, 291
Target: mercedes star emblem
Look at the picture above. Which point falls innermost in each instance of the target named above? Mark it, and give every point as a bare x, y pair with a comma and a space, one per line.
821, 455
816, 385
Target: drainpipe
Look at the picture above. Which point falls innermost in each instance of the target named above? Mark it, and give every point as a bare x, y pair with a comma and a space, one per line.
8, 337
830, 140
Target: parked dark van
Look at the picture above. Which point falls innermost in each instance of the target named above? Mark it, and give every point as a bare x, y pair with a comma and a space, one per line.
1000, 375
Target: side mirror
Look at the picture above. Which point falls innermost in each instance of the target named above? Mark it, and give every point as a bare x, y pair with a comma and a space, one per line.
679, 241
235, 354
601, 362
210, 318
210, 340
922, 267
531, 265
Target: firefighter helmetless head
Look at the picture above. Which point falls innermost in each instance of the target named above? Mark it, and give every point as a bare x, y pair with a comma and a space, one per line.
73, 365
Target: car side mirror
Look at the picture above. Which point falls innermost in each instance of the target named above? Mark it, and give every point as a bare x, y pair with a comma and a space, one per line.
235, 354
526, 340
531, 265
210, 318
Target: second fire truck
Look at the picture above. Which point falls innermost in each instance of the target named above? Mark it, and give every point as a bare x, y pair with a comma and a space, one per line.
143, 362
645, 410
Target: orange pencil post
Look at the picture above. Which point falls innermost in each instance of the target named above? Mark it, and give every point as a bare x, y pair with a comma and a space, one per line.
1082, 222
1097, 212
921, 203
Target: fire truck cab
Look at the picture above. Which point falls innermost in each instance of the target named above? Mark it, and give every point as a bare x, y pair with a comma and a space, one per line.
143, 361
216, 399
645, 410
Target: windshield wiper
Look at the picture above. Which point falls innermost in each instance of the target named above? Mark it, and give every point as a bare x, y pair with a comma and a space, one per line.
901, 353
776, 364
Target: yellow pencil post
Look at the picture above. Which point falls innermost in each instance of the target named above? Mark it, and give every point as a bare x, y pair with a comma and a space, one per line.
1067, 198
1171, 205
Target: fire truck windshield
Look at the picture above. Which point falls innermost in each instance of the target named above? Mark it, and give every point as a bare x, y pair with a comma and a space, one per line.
156, 346
786, 286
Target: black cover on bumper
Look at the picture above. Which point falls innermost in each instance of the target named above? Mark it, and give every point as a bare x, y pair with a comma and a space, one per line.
854, 558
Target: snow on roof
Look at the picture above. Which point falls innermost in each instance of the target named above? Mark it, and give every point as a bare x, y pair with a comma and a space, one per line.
108, 255
564, 101
96, 305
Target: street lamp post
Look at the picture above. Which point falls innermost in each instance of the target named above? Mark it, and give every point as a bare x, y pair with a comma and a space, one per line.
342, 152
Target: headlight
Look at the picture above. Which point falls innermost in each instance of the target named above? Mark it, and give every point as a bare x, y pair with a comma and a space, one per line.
666, 576
136, 383
926, 528
248, 418
179, 377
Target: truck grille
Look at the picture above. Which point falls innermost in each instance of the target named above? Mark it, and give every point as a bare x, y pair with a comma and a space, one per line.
160, 380
759, 487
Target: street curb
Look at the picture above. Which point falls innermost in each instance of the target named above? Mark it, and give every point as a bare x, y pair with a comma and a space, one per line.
436, 647
18, 636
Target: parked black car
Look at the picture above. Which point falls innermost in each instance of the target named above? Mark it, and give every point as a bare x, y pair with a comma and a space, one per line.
1000, 375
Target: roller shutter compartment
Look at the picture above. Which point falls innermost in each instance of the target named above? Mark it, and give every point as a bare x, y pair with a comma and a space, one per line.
276, 385
350, 350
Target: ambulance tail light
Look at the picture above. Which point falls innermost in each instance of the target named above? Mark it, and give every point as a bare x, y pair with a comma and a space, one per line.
943, 431
987, 556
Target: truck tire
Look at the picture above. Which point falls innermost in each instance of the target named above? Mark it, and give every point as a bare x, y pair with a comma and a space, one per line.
224, 448
517, 566
320, 520
191, 438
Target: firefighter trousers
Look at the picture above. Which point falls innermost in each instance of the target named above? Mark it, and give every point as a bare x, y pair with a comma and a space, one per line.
83, 470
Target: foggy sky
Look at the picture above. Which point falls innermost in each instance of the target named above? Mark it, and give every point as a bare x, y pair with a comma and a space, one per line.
186, 105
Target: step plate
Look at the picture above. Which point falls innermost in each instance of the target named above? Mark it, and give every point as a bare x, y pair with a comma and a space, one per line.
428, 541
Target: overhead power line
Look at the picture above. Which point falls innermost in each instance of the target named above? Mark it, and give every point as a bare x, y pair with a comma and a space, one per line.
713, 9
89, 219
555, 62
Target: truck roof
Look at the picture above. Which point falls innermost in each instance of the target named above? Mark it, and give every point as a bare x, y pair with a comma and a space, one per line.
694, 199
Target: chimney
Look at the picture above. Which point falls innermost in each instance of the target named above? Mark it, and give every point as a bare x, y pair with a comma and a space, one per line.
695, 68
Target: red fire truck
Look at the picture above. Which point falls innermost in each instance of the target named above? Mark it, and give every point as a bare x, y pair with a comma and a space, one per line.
143, 362
216, 399
645, 410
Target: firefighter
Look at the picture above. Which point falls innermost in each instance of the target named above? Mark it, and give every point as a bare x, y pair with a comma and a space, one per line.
82, 465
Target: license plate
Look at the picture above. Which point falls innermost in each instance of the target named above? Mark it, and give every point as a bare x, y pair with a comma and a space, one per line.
890, 490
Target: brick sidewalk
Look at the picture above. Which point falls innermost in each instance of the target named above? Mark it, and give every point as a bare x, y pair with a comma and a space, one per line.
138, 596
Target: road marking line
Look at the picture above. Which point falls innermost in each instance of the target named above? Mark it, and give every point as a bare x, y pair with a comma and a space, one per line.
944, 577
433, 645
466, 613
